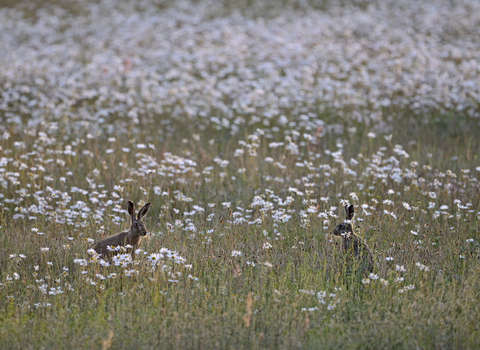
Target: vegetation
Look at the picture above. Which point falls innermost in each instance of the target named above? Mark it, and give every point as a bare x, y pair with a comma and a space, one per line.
248, 128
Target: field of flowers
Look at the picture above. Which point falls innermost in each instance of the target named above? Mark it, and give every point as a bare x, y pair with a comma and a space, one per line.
248, 126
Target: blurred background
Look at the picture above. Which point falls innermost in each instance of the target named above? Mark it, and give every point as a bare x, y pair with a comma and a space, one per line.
165, 70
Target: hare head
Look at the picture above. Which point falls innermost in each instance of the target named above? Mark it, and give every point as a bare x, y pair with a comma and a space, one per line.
138, 226
345, 228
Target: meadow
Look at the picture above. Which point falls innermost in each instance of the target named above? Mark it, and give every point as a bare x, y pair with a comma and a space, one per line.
248, 126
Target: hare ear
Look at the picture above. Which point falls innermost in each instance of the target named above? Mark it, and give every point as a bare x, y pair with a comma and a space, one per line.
350, 211
131, 211
142, 212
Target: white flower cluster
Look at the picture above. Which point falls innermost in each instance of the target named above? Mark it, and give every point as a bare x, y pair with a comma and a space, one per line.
407, 54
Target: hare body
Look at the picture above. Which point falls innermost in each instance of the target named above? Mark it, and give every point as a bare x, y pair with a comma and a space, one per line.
354, 246
132, 237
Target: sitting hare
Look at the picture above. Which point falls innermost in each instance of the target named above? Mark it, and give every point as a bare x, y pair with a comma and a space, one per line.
106, 247
354, 245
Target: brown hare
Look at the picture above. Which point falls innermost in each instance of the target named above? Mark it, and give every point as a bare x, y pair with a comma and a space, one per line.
353, 245
131, 238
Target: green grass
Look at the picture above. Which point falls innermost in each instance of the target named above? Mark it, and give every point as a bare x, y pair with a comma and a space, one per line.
146, 310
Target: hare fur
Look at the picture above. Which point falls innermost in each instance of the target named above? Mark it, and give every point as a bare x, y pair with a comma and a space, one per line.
353, 245
131, 237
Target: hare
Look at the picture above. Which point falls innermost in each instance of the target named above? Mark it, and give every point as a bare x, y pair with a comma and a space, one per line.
354, 245
106, 247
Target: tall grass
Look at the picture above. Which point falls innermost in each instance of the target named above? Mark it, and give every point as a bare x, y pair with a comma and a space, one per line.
148, 309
